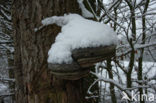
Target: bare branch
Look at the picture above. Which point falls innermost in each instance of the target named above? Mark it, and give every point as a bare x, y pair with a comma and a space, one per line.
112, 82
7, 79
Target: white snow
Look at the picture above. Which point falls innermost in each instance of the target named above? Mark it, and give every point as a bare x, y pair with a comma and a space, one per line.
149, 70
3, 88
77, 32
85, 12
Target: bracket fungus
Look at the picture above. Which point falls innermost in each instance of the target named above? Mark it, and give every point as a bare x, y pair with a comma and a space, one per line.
83, 60
80, 44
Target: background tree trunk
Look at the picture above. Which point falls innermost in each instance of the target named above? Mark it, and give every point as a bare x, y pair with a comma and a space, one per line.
34, 84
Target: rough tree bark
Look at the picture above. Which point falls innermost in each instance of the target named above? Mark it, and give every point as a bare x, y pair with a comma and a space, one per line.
34, 84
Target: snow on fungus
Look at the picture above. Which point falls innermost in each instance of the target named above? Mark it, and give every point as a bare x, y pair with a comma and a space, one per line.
77, 32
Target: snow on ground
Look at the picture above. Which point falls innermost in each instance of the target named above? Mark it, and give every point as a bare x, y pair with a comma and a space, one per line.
3, 73
2, 88
149, 70
77, 32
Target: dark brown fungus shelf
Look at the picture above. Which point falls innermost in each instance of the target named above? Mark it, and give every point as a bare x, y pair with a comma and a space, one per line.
83, 60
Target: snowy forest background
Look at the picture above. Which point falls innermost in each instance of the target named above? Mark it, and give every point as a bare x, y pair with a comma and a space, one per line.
133, 68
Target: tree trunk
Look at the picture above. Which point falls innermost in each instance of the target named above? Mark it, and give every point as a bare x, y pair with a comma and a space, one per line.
140, 65
34, 84
110, 73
